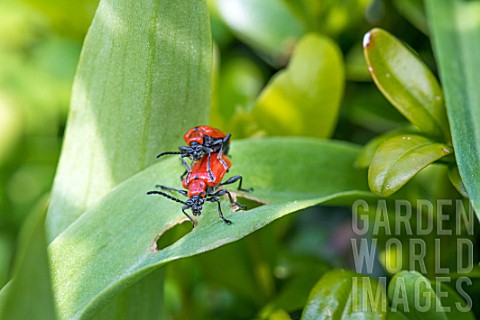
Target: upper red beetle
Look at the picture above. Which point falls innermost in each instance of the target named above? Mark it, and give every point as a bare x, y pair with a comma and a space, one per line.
201, 141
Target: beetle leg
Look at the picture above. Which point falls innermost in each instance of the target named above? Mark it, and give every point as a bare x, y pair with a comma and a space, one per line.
220, 214
226, 143
233, 202
235, 179
183, 175
194, 223
209, 170
184, 163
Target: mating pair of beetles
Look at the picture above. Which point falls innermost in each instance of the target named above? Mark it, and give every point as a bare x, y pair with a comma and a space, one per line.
207, 148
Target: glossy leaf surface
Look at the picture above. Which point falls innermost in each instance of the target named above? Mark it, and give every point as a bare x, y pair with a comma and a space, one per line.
399, 158
414, 296
342, 294
406, 82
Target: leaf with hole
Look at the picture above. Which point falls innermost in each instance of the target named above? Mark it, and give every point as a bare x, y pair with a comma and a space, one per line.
113, 245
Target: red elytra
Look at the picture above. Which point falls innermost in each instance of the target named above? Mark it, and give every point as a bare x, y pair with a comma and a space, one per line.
199, 178
201, 141
198, 133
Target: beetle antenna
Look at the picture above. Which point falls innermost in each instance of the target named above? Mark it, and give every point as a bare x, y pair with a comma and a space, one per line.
166, 196
168, 152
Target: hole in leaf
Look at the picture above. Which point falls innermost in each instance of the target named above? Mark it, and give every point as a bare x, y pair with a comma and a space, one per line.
247, 200
173, 234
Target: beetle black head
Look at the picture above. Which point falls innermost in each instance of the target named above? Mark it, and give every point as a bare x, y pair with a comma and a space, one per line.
195, 151
195, 203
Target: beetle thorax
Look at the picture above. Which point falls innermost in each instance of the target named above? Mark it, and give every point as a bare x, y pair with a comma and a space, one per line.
197, 187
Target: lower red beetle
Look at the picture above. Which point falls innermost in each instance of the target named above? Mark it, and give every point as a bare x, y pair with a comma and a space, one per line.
203, 186
201, 141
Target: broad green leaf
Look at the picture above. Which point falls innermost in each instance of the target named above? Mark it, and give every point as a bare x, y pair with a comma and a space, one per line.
406, 82
268, 25
343, 294
456, 38
416, 297
113, 245
29, 295
143, 80
304, 99
142, 301
400, 158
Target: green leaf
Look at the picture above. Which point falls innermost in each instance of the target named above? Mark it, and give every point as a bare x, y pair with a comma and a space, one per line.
455, 307
142, 301
343, 294
406, 82
305, 98
29, 294
456, 39
400, 158
456, 180
368, 151
267, 26
142, 82
415, 296
113, 245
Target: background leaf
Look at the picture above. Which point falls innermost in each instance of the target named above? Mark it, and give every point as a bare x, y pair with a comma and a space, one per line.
137, 90
343, 294
414, 296
406, 82
399, 158
268, 26
110, 247
456, 42
29, 295
304, 99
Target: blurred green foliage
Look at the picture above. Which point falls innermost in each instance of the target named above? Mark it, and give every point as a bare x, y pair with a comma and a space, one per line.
259, 48
37, 66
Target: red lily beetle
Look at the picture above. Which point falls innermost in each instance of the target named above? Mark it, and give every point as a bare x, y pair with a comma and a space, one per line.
201, 141
203, 186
